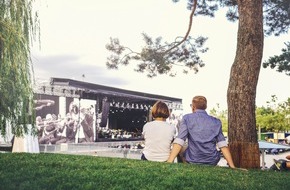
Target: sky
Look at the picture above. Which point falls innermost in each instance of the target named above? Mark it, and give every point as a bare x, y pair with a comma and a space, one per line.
74, 34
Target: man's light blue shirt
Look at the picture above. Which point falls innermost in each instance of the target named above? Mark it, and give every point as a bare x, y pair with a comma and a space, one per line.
204, 134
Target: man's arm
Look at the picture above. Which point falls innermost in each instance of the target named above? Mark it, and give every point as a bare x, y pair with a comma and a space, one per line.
174, 152
227, 155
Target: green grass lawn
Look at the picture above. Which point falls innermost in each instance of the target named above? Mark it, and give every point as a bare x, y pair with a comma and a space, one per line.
61, 171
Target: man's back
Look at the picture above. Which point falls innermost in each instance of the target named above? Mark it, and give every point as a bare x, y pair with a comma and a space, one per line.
203, 133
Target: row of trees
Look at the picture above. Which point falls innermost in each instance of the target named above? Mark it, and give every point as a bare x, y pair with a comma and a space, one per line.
273, 117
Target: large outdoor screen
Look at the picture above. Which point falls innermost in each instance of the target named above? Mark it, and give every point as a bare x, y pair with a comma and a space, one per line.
64, 119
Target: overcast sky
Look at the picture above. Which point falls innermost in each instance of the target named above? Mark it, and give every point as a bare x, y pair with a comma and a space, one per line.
74, 34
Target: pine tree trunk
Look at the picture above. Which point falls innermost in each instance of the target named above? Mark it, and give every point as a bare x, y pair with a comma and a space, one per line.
241, 94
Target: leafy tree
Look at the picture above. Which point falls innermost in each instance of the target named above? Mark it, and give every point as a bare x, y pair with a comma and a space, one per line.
160, 58
18, 26
280, 20
281, 62
263, 117
222, 115
283, 111
274, 117
156, 58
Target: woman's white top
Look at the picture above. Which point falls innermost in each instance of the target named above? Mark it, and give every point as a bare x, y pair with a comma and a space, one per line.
158, 137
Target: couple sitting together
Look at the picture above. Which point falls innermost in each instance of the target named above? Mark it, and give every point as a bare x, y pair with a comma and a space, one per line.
198, 136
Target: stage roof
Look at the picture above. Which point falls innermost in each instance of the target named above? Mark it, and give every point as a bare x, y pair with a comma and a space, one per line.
80, 89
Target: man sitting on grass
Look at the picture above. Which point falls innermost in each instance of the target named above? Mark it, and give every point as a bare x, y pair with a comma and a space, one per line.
203, 133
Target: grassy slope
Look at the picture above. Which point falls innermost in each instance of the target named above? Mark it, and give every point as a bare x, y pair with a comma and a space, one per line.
59, 171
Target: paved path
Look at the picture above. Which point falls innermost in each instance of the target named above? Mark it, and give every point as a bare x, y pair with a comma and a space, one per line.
137, 155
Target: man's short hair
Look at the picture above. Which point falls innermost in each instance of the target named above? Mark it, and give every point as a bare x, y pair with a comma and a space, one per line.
199, 102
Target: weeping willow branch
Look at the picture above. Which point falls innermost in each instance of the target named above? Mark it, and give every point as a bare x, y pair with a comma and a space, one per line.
17, 30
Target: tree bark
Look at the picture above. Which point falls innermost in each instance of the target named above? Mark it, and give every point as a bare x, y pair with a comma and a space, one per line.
241, 94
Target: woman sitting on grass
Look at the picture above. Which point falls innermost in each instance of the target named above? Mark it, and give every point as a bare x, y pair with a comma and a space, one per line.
158, 134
